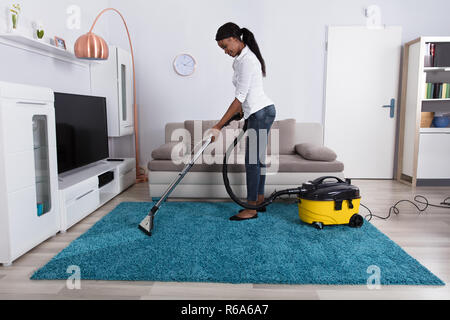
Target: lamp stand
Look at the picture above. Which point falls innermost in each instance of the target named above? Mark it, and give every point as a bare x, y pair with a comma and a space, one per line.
140, 177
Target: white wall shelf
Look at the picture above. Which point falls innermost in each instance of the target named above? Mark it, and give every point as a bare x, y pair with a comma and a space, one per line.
41, 47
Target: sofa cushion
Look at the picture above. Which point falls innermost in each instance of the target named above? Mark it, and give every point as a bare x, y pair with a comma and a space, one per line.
190, 126
296, 163
314, 152
165, 152
285, 137
220, 146
229, 133
276, 163
286, 141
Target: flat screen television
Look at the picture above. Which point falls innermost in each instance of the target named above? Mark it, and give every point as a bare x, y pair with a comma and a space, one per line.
81, 130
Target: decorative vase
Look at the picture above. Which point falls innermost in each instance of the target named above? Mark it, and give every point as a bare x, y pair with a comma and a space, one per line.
15, 21
40, 34
441, 122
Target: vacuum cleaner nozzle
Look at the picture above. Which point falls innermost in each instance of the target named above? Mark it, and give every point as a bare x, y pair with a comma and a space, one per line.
146, 225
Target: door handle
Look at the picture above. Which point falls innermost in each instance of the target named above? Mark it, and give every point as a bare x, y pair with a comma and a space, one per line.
392, 106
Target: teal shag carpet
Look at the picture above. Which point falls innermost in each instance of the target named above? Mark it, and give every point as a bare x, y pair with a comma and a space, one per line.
195, 242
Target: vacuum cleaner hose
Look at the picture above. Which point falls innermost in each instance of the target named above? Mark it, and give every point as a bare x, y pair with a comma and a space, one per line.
226, 181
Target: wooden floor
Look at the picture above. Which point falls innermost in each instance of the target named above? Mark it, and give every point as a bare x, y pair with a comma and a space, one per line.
426, 237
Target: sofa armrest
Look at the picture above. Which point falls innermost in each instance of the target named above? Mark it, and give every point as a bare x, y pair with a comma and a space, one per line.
315, 152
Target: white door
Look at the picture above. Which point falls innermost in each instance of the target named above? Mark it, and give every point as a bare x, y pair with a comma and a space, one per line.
362, 82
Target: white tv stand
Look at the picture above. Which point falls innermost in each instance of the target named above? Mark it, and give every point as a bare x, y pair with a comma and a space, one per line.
80, 193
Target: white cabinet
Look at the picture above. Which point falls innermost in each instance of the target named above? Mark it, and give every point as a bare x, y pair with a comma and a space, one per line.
29, 206
434, 156
113, 79
81, 192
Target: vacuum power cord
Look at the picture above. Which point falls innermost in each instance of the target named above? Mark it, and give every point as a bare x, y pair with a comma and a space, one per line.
394, 209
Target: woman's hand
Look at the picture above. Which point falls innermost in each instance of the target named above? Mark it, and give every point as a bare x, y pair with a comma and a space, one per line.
236, 107
214, 132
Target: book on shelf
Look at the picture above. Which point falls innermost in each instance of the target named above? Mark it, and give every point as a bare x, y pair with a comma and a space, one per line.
442, 55
437, 91
437, 55
430, 49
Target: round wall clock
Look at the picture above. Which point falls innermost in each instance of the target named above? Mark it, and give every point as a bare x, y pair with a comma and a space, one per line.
184, 65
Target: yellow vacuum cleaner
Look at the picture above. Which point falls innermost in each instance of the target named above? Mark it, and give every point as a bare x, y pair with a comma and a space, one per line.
322, 204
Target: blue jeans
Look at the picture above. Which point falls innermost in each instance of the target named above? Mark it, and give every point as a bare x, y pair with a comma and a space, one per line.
258, 128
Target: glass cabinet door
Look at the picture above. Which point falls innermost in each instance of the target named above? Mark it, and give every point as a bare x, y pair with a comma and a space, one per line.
123, 70
41, 165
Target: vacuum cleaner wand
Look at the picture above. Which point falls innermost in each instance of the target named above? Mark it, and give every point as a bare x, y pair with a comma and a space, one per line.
147, 224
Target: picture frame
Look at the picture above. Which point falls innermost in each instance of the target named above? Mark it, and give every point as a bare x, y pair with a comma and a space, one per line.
60, 43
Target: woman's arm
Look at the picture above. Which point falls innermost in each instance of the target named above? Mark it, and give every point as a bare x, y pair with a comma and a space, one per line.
236, 107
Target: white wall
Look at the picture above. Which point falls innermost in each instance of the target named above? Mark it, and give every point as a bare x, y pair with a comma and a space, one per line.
291, 35
21, 66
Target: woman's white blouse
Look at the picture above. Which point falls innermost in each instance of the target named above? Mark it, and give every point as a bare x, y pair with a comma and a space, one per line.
248, 80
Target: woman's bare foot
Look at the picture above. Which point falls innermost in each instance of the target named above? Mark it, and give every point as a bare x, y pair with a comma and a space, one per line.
246, 214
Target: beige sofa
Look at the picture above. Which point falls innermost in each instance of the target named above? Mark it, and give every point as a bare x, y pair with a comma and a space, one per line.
286, 167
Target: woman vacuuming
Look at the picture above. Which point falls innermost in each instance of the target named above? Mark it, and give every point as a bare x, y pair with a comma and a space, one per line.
251, 101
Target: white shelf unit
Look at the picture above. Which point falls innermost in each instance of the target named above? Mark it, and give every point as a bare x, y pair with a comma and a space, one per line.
424, 153
41, 47
435, 69
434, 130
434, 100
29, 205
79, 190
113, 79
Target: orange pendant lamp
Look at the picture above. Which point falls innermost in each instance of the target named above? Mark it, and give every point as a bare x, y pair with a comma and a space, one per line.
93, 47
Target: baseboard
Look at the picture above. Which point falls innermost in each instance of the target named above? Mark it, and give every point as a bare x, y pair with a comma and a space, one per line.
433, 182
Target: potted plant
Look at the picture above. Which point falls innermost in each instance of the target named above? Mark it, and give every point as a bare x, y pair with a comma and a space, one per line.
15, 12
40, 30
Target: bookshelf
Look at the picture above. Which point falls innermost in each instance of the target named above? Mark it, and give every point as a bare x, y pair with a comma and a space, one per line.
424, 151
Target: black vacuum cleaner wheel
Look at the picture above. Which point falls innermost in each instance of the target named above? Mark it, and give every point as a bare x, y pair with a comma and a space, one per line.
356, 221
318, 225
